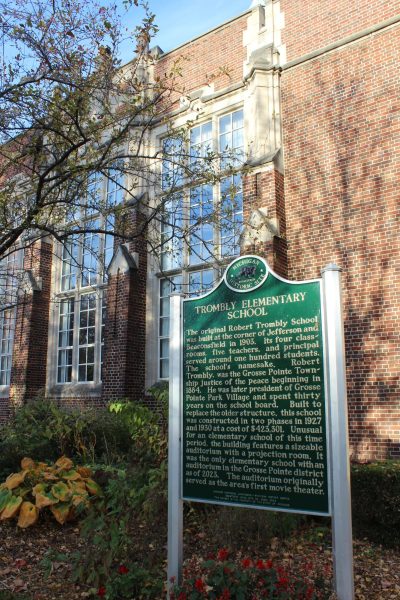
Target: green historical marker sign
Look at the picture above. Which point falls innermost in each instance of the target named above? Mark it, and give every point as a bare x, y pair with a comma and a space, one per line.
254, 411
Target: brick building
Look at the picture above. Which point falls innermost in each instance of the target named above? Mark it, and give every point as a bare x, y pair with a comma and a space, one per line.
308, 97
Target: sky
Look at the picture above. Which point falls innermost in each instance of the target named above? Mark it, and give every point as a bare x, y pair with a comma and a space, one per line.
181, 20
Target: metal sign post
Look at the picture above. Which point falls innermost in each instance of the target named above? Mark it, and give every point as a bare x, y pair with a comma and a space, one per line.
175, 503
340, 469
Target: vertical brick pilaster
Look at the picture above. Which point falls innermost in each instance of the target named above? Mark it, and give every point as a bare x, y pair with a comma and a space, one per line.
124, 336
265, 191
136, 365
28, 374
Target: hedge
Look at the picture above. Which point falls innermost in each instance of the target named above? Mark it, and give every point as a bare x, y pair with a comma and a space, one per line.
375, 489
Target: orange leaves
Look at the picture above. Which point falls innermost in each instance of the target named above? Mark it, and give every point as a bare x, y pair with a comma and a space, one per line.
28, 515
14, 480
61, 512
92, 487
84, 472
64, 463
61, 491
61, 488
27, 463
11, 508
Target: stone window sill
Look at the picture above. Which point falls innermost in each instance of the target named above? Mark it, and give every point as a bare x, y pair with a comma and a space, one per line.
4, 391
75, 390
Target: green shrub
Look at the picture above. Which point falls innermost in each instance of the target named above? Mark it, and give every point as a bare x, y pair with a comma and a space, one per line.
134, 498
376, 501
131, 580
42, 429
109, 526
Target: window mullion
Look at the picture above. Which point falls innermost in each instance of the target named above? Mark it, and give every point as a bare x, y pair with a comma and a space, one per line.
186, 228
75, 340
216, 232
77, 306
97, 337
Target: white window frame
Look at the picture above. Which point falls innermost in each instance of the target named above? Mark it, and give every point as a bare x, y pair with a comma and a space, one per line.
15, 260
202, 266
95, 288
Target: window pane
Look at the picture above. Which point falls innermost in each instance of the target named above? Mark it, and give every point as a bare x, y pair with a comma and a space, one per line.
164, 307
82, 355
7, 328
201, 282
164, 327
225, 142
11, 271
69, 264
195, 136
231, 140
231, 219
90, 255
65, 340
200, 146
83, 316
225, 124
171, 233
237, 139
237, 119
94, 194
90, 354
201, 239
164, 348
108, 250
90, 372
82, 373
167, 286
91, 335
115, 183
172, 164
164, 369
87, 320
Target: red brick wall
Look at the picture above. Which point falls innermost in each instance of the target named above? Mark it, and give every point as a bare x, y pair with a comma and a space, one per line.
342, 147
217, 57
28, 374
4, 409
125, 332
315, 24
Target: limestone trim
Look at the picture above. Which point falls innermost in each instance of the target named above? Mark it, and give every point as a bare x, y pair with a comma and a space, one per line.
123, 261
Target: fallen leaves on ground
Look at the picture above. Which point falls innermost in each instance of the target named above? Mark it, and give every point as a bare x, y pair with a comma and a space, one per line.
376, 570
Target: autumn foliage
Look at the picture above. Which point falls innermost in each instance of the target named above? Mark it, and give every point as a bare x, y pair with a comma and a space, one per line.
61, 489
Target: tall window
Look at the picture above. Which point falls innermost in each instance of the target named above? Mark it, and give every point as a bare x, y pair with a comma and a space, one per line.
10, 276
81, 302
7, 326
212, 214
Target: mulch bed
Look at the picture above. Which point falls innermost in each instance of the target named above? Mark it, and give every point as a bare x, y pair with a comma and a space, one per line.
23, 568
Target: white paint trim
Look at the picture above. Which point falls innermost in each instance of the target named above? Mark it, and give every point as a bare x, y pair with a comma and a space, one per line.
340, 467
175, 503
